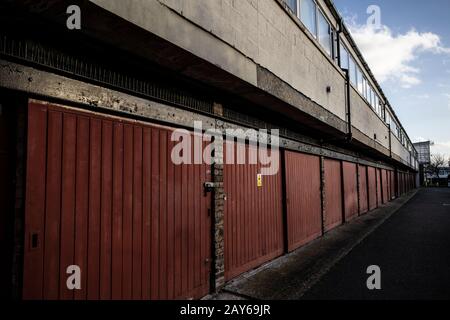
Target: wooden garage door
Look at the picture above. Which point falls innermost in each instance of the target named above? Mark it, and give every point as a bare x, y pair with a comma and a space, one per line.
103, 194
333, 194
392, 183
253, 214
372, 187
379, 188
363, 196
350, 190
303, 202
384, 185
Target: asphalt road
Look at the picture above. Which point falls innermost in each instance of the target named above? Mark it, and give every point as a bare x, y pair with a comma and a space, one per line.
412, 249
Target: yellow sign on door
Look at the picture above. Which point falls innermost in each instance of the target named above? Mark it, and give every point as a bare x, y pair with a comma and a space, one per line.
259, 180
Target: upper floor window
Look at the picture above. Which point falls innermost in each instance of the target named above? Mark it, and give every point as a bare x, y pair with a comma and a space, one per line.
352, 70
308, 15
359, 79
292, 4
365, 87
388, 118
372, 98
344, 57
324, 33
377, 105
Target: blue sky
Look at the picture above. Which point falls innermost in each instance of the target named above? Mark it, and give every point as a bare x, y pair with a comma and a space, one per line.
410, 55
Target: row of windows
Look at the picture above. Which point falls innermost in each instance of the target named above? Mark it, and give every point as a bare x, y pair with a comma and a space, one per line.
316, 22
360, 82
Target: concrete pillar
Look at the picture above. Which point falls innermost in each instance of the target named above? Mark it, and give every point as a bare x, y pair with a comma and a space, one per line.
218, 272
358, 188
322, 191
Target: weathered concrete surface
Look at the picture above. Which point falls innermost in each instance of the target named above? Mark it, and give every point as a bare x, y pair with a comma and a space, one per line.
41, 83
291, 276
412, 250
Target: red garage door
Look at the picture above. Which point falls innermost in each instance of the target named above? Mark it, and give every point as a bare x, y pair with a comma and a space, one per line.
384, 185
350, 190
363, 197
253, 215
392, 182
303, 201
103, 194
333, 194
401, 183
372, 183
379, 189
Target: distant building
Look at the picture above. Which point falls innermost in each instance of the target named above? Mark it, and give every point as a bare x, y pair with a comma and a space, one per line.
423, 150
424, 158
444, 173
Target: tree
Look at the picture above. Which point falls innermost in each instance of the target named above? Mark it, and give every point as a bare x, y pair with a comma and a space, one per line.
436, 163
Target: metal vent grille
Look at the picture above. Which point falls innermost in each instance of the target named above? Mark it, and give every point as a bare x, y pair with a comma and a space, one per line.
36, 53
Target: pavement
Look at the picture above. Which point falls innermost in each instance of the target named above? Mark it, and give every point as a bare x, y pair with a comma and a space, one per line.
408, 238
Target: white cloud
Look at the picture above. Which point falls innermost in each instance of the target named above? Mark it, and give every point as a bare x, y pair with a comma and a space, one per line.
422, 96
390, 56
442, 147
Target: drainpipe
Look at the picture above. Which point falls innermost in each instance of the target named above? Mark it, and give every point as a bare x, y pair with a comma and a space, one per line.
348, 106
390, 141
338, 42
348, 112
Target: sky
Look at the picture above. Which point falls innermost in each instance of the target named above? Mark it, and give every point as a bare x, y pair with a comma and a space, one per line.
409, 54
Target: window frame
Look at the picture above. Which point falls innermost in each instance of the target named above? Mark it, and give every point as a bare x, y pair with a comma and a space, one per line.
351, 72
296, 6
330, 28
343, 48
315, 22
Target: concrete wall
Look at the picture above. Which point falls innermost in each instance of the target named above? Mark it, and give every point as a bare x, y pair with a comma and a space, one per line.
239, 36
399, 150
365, 119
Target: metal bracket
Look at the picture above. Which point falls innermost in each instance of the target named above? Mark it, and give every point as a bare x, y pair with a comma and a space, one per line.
208, 187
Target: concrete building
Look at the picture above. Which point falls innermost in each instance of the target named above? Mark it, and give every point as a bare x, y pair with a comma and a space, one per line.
424, 158
86, 120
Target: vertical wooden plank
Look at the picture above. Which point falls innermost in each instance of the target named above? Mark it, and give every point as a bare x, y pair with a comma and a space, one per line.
146, 212
191, 229
106, 211
184, 229
163, 214
53, 206
69, 157
137, 213
127, 219
155, 256
170, 221
95, 152
117, 214
196, 218
82, 202
178, 186
35, 201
